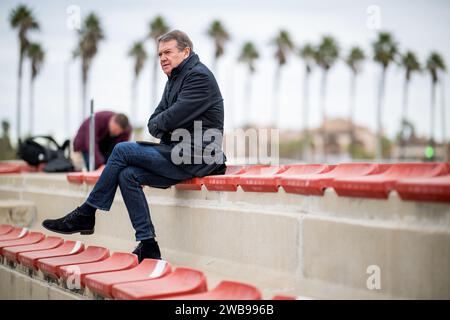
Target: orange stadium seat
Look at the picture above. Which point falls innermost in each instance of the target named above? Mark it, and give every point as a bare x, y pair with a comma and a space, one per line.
5, 228
225, 290
14, 234
379, 185
271, 182
102, 283
181, 281
51, 266
116, 262
30, 259
75, 177
436, 189
315, 184
30, 238
230, 182
196, 183
11, 253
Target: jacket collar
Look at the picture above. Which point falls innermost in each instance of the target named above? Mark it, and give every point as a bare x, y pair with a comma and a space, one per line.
191, 60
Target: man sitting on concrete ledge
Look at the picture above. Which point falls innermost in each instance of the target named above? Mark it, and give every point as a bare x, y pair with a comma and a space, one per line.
191, 100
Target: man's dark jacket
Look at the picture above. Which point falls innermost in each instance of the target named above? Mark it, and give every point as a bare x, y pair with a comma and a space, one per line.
191, 94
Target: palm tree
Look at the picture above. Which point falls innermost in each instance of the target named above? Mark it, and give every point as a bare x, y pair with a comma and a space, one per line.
354, 61
22, 19
157, 28
36, 55
410, 63
435, 64
89, 37
249, 53
220, 36
327, 55
308, 54
138, 53
385, 51
284, 45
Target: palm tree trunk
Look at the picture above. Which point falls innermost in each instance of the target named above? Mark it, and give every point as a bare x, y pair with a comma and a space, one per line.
31, 110
323, 97
67, 99
275, 97
83, 100
404, 116
133, 111
351, 114
379, 151
214, 68
432, 111
305, 146
19, 96
154, 84
443, 119
248, 98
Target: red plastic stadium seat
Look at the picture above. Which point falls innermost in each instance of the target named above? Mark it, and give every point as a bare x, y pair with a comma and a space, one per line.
196, 183
116, 262
190, 184
30, 238
225, 290
11, 253
379, 185
51, 266
436, 189
281, 297
102, 283
5, 228
29, 259
75, 177
91, 178
271, 182
7, 167
180, 282
14, 234
315, 184
230, 182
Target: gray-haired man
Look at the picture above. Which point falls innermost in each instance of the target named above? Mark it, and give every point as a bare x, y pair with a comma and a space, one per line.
191, 104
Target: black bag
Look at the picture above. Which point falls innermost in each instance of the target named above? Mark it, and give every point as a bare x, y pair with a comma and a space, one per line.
55, 158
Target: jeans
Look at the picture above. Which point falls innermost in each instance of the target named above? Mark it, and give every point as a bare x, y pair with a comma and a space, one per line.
130, 166
86, 158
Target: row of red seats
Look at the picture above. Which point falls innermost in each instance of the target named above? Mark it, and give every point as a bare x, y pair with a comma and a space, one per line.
117, 275
89, 178
412, 181
18, 167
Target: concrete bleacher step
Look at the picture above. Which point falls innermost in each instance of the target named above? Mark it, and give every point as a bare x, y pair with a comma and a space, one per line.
17, 212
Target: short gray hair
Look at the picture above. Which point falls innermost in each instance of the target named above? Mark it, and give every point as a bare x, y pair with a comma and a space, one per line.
181, 38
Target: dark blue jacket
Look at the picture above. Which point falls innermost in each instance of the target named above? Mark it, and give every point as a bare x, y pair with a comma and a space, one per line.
191, 94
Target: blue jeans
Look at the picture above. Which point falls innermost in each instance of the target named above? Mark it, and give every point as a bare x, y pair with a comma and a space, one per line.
130, 166
86, 158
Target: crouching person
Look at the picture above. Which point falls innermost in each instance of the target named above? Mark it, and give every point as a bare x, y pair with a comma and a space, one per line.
110, 129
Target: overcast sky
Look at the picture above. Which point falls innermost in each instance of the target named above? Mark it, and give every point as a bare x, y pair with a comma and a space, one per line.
421, 26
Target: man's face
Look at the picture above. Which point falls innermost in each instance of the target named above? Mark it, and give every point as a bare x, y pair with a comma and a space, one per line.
170, 57
114, 128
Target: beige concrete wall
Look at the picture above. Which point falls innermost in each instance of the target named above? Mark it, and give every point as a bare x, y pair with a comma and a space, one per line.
283, 243
18, 286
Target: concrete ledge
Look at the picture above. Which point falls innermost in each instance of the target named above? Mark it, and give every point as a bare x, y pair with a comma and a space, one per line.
18, 286
17, 212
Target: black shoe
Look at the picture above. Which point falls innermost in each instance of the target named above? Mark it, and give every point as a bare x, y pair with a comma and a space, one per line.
74, 222
147, 251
